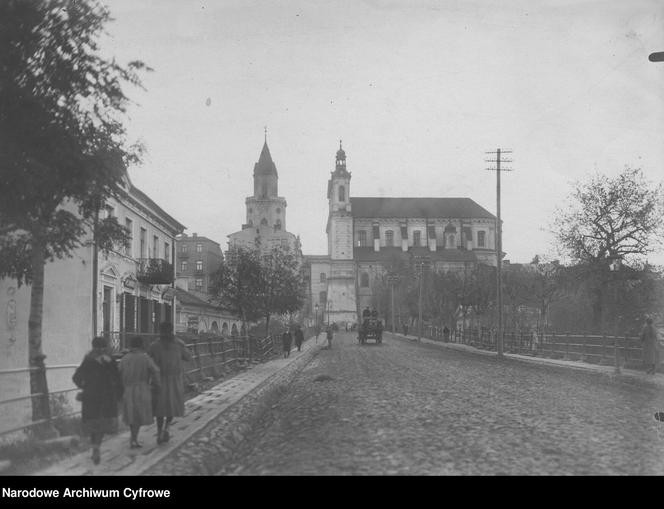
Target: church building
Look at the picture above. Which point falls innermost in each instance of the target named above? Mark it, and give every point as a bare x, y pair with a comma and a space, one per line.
365, 235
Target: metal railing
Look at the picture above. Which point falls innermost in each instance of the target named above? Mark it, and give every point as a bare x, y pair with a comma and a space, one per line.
626, 351
212, 356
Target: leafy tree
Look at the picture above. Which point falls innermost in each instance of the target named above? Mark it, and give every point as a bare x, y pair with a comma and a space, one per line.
608, 219
282, 288
63, 148
237, 283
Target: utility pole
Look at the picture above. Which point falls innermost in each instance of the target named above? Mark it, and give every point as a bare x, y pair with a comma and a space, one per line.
499, 243
420, 261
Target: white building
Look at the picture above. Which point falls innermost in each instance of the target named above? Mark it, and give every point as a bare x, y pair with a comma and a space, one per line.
364, 234
134, 293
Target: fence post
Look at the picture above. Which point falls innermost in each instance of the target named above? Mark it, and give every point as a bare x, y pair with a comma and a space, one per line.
616, 361
197, 359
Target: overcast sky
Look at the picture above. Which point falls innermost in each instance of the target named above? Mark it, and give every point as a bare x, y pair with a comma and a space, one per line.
417, 90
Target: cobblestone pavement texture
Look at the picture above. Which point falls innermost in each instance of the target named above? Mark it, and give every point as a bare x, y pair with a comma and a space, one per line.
223, 413
415, 408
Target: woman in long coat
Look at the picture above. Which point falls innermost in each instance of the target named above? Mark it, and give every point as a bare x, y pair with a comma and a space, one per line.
286, 341
139, 373
168, 353
650, 340
99, 379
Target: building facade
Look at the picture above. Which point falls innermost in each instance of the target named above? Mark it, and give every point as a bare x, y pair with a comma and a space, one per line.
198, 258
265, 225
365, 235
130, 292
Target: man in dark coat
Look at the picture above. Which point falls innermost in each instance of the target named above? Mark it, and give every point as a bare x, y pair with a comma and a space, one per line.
650, 340
99, 379
286, 341
299, 338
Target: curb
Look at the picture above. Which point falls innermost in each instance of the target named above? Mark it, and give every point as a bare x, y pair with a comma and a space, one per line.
657, 379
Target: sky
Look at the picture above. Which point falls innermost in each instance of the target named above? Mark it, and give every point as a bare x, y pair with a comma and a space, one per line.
417, 90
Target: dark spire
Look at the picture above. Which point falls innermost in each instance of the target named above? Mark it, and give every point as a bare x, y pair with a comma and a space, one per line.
265, 165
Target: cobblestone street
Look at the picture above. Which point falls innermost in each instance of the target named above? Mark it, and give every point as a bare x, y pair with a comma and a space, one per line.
408, 408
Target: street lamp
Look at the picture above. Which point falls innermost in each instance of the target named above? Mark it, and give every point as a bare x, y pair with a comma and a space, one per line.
393, 278
316, 320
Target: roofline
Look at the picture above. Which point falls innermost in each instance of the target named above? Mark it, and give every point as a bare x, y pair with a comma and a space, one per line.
178, 226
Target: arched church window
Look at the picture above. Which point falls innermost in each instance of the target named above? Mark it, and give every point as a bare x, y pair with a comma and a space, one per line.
250, 223
417, 238
451, 241
364, 280
277, 225
342, 193
264, 190
389, 238
264, 222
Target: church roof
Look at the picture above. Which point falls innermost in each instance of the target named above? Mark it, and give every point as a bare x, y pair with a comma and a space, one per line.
418, 207
265, 165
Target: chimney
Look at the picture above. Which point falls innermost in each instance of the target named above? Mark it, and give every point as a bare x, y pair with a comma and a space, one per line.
194, 234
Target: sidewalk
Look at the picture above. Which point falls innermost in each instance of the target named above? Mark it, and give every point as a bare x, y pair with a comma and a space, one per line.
118, 459
657, 379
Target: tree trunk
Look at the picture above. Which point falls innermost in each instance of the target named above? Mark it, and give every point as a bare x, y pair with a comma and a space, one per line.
38, 384
267, 325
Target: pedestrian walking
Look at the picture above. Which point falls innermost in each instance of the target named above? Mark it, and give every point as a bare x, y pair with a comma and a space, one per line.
330, 335
650, 340
286, 341
405, 329
299, 338
101, 390
446, 334
139, 374
168, 354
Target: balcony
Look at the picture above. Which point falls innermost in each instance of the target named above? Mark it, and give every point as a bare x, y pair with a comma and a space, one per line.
154, 271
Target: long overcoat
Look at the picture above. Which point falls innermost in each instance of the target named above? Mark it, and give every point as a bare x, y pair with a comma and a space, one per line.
169, 355
139, 373
650, 340
99, 379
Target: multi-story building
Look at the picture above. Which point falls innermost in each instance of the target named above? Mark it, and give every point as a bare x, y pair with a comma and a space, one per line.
198, 258
131, 291
366, 234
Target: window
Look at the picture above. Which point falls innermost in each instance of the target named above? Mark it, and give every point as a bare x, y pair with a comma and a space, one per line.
110, 211
277, 225
480, 239
199, 264
250, 223
183, 265
323, 277
264, 222
278, 210
129, 224
143, 239
184, 248
155, 247
362, 238
417, 238
389, 238
199, 283
342, 193
167, 252
450, 241
322, 297
199, 248
364, 280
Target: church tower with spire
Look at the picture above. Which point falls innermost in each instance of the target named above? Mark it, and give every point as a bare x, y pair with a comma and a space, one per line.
341, 291
265, 225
